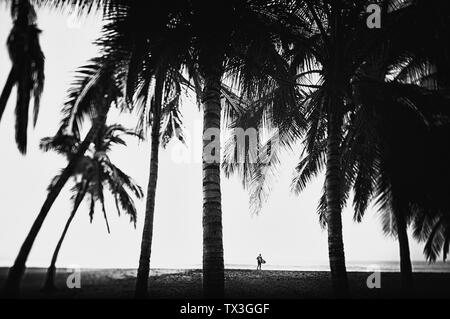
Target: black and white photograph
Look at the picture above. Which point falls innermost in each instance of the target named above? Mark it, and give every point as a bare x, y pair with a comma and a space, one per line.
225, 154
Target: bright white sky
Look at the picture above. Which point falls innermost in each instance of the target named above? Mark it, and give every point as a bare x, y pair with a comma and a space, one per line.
286, 232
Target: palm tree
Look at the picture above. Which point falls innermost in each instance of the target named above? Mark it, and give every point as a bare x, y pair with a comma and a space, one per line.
431, 223
229, 48
153, 85
380, 150
388, 161
94, 91
95, 171
165, 121
385, 167
415, 160
326, 50
27, 71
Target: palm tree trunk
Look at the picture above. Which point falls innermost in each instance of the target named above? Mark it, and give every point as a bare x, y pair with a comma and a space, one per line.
16, 272
7, 91
213, 264
141, 290
405, 258
51, 271
334, 220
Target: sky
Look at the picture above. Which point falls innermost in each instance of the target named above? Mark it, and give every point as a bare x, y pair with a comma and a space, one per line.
286, 232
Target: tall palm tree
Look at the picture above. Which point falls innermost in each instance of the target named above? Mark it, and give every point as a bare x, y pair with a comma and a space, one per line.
326, 50
95, 171
153, 85
229, 48
94, 91
27, 71
165, 120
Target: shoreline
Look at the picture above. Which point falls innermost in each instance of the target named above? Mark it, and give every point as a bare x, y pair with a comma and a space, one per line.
163, 270
239, 283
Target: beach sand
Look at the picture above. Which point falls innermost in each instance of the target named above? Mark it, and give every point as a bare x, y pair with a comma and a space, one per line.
248, 284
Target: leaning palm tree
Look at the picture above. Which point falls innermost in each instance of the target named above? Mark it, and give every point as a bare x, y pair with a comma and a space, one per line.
27, 71
93, 93
94, 173
132, 56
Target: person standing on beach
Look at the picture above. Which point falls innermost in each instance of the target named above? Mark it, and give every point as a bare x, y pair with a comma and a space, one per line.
260, 261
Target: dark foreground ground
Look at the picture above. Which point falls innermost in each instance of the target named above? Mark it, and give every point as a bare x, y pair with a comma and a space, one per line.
119, 283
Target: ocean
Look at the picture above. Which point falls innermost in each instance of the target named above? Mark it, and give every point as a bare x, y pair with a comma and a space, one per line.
354, 266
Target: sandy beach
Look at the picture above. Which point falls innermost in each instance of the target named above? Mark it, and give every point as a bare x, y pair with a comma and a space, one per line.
251, 284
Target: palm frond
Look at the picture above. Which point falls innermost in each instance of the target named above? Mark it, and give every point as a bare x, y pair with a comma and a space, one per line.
27, 72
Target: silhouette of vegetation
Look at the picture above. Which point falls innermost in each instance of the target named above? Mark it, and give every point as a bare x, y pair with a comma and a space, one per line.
93, 173
367, 107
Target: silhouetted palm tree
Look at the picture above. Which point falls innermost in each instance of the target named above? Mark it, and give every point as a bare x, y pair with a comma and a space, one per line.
399, 166
325, 52
162, 111
92, 95
95, 171
27, 70
153, 86
431, 223
392, 162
